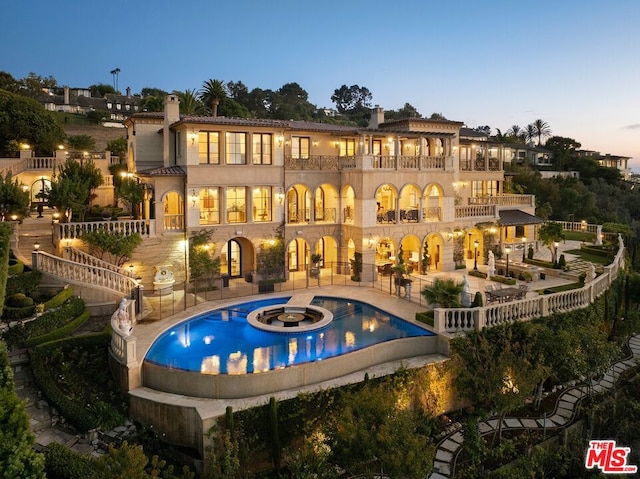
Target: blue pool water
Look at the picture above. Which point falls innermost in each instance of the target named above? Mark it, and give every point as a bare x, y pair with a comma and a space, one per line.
223, 342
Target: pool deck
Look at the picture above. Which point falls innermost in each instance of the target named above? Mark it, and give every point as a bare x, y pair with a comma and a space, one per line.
206, 409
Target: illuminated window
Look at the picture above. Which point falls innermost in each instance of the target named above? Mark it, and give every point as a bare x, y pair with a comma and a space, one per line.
261, 148
347, 147
208, 148
209, 206
236, 204
236, 144
261, 199
300, 147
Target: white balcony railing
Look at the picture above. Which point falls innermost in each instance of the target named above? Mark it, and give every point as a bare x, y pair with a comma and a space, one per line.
468, 319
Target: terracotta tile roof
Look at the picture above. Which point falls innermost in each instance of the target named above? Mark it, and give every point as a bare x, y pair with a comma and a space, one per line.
163, 171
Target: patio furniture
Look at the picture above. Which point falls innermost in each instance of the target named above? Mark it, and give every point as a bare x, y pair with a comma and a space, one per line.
503, 295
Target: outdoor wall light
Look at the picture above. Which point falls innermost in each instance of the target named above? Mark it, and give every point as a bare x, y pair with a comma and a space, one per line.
371, 241
36, 246
193, 136
280, 140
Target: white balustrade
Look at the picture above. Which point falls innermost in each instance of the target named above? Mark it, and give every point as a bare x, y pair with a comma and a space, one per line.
83, 274
63, 231
472, 211
81, 257
468, 319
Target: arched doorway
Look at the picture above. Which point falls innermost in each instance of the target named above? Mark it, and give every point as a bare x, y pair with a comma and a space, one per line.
297, 254
435, 248
173, 207
231, 259
39, 191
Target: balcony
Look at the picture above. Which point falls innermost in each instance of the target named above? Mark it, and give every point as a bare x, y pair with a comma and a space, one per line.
504, 200
475, 211
376, 162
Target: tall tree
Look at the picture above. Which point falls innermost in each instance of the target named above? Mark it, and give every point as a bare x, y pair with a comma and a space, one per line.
563, 150
33, 85
8, 83
291, 102
351, 99
542, 130
73, 185
551, 233
407, 111
99, 90
516, 133
24, 120
12, 197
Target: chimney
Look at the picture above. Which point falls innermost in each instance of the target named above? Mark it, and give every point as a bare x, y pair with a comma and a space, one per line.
128, 92
214, 107
377, 117
66, 95
171, 115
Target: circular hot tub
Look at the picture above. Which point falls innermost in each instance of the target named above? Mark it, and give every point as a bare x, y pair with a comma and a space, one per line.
285, 318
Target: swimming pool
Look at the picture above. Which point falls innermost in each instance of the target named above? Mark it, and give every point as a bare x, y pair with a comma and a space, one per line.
222, 342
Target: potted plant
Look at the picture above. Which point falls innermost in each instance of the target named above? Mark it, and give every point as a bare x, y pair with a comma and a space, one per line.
401, 273
356, 266
315, 269
424, 263
270, 265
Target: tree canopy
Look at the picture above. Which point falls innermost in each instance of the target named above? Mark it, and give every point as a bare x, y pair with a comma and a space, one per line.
24, 120
73, 184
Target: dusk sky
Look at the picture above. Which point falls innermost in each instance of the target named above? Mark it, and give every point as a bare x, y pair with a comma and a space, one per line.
571, 63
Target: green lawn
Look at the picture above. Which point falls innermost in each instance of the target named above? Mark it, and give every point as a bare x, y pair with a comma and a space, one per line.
579, 236
594, 258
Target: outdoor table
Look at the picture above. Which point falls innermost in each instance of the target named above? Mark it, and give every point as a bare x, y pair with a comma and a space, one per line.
291, 319
504, 294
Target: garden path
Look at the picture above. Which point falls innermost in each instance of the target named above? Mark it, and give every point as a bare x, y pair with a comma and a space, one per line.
450, 446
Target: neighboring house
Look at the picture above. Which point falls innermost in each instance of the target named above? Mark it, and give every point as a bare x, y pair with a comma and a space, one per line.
475, 144
80, 101
392, 187
610, 161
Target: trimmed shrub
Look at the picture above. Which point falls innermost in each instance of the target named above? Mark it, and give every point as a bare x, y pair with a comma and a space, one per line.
73, 409
48, 322
10, 313
15, 267
19, 300
60, 462
562, 262
477, 274
477, 300
425, 317
503, 279
59, 333
26, 283
59, 298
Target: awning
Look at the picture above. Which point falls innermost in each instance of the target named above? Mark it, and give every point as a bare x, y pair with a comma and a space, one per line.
518, 218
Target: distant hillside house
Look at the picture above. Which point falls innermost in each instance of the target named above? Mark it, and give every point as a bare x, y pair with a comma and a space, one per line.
609, 161
80, 101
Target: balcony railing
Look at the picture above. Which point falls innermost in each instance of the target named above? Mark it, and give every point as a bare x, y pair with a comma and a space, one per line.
314, 162
69, 231
468, 319
298, 216
503, 200
432, 213
474, 211
419, 162
327, 215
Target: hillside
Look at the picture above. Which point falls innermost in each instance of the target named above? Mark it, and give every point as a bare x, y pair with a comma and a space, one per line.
100, 134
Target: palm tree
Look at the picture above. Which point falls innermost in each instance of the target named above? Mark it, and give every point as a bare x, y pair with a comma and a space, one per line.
211, 90
516, 133
530, 133
542, 129
190, 104
444, 292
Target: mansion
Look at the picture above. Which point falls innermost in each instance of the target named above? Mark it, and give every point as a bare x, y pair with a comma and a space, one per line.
414, 187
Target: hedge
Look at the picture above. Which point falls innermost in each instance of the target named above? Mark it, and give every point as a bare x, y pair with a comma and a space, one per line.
10, 313
5, 241
503, 279
60, 462
76, 413
26, 283
59, 333
48, 322
59, 299
15, 267
477, 274
597, 251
